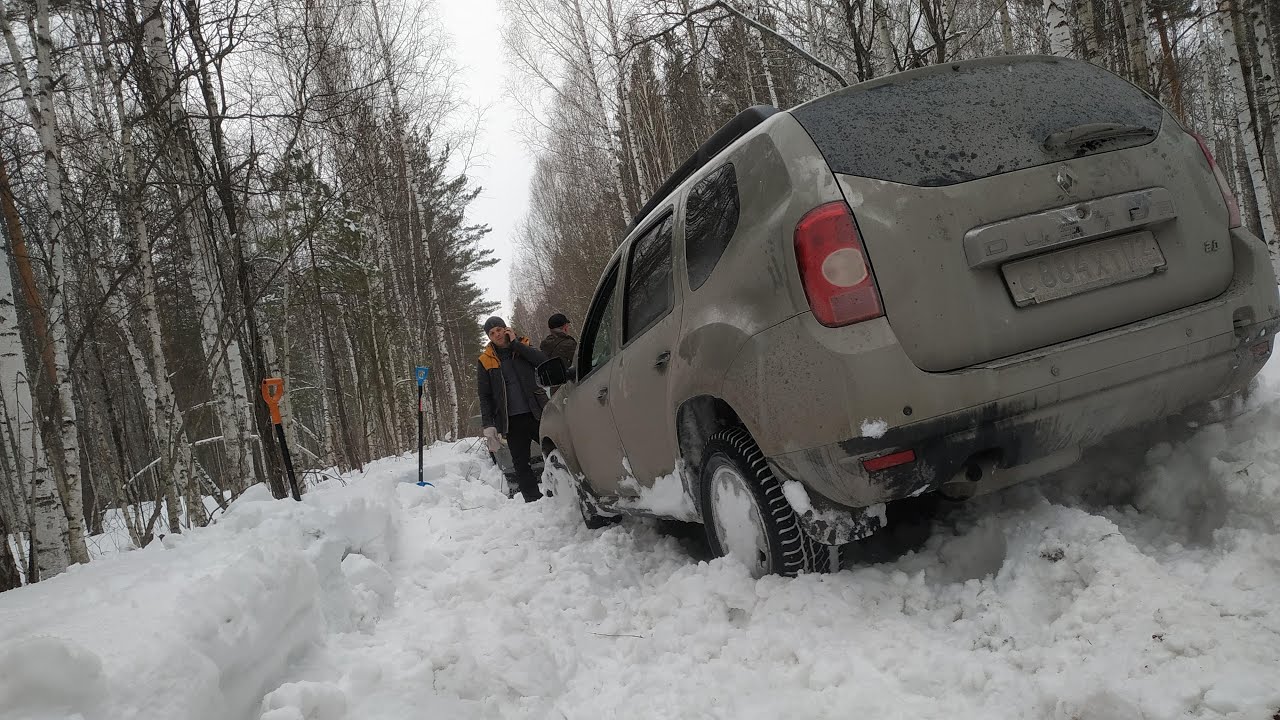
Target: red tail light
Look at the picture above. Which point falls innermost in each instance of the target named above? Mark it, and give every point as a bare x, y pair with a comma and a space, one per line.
1233, 207
834, 268
884, 462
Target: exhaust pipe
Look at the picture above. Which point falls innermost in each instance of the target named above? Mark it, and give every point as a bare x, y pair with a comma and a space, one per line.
964, 484
982, 472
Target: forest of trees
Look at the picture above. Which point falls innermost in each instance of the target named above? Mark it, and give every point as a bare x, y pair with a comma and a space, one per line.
198, 195
620, 92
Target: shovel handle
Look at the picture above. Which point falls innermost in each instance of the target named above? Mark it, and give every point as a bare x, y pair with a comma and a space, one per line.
272, 392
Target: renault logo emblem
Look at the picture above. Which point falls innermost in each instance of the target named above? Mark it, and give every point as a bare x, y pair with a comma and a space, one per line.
1065, 179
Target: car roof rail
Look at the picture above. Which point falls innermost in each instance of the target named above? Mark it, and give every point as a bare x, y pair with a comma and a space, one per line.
740, 125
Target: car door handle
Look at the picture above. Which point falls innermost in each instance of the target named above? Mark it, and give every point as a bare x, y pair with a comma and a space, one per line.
602, 395
662, 361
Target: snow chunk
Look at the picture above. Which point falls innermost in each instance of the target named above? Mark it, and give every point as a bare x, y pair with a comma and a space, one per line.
48, 676
202, 629
797, 496
667, 496
874, 428
305, 701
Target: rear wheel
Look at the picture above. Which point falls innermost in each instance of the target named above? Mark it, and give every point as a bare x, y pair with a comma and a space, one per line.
746, 514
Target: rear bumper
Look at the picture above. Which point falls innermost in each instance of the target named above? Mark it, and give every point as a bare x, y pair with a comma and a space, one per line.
1015, 418
1018, 438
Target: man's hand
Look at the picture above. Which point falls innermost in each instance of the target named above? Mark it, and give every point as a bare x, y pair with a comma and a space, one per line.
491, 439
511, 335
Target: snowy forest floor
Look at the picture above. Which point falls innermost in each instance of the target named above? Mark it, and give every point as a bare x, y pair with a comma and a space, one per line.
1104, 594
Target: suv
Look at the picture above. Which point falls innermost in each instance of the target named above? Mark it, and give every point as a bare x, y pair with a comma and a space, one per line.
925, 283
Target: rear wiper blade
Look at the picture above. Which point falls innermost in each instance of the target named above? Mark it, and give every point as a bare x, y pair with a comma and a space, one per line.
1095, 132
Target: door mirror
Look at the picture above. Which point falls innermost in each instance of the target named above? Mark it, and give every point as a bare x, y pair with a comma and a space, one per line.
553, 372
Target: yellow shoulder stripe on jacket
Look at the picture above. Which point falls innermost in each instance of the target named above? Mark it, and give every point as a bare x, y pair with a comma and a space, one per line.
489, 358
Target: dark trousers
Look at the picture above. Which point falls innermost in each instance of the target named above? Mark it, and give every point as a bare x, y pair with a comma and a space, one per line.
522, 430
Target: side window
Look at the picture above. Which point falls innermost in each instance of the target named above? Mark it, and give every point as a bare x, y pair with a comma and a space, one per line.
711, 217
649, 287
597, 344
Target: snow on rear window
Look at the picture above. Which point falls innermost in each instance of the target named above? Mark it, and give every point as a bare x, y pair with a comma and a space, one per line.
969, 121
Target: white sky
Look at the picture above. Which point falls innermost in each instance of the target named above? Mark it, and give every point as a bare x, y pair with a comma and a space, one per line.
504, 166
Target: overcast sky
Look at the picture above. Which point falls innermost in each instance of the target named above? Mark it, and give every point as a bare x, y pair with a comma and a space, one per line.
505, 166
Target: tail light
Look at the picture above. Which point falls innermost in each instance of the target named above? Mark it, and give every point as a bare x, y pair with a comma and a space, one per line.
1233, 207
834, 268
884, 462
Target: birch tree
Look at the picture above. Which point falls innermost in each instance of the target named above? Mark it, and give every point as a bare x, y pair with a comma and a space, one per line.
37, 94
1249, 130
36, 489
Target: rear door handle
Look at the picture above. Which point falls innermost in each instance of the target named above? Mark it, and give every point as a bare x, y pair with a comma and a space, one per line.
662, 361
602, 395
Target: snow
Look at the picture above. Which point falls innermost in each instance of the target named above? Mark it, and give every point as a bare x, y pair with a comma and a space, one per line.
737, 519
797, 496
1142, 586
874, 428
666, 497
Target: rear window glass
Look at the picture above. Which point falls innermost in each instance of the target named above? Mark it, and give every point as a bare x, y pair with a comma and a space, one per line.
965, 122
711, 217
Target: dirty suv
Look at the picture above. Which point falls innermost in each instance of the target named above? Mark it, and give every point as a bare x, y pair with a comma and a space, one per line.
942, 281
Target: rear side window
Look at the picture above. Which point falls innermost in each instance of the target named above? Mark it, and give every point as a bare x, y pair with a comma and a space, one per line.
964, 122
649, 287
711, 217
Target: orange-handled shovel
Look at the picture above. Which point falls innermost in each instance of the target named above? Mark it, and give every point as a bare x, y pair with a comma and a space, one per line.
273, 393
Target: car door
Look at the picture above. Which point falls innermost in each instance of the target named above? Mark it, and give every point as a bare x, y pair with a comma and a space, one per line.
587, 408
650, 323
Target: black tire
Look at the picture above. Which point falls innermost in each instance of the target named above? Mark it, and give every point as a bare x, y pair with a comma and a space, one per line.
591, 519
790, 550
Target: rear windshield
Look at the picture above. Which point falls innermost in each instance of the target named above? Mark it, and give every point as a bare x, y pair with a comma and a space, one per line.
965, 122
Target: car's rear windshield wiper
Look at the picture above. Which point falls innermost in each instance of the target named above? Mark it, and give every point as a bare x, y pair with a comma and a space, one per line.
1095, 132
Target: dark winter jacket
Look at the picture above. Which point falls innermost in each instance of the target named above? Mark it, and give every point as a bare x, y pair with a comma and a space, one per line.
491, 383
562, 345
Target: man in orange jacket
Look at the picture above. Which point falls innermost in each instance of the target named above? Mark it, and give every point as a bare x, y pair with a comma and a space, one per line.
511, 400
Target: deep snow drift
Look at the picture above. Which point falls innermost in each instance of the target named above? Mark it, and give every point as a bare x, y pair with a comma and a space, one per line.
1101, 595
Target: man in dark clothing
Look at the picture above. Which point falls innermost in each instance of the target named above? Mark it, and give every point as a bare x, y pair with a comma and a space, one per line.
511, 401
559, 343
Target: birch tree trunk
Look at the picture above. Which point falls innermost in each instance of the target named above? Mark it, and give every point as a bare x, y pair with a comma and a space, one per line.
449, 382
39, 101
764, 59
221, 348
602, 117
881, 12
1268, 83
1135, 24
1257, 173
1006, 27
1089, 39
1059, 27
1170, 65
1266, 93
47, 518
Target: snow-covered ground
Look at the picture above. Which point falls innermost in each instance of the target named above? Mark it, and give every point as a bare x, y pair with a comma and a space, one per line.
1099, 596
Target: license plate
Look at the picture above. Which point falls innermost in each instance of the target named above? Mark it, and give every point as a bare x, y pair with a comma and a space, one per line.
1083, 268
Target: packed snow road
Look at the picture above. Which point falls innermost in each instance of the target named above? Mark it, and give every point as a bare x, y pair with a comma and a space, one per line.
1106, 594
